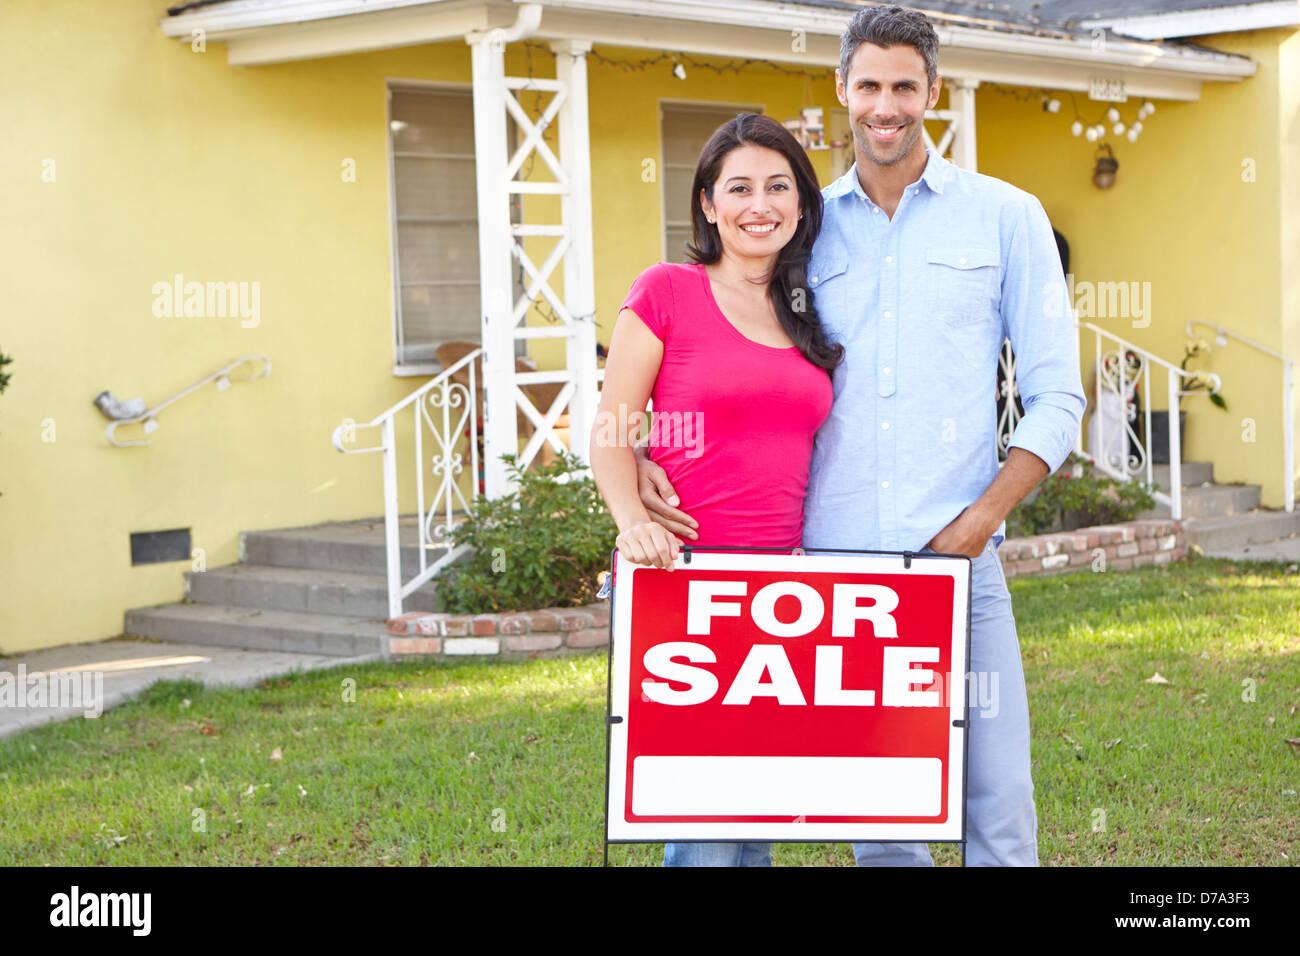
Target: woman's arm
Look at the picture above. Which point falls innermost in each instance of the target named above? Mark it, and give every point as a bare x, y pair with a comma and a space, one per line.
635, 354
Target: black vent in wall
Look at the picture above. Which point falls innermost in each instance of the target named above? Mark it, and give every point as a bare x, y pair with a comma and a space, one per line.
153, 547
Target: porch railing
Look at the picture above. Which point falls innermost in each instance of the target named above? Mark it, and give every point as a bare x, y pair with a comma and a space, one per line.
1111, 440
1221, 336
455, 402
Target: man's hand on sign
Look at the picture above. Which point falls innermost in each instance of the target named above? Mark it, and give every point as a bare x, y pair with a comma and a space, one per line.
659, 498
648, 543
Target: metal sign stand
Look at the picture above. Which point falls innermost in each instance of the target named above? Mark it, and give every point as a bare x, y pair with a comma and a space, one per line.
611, 718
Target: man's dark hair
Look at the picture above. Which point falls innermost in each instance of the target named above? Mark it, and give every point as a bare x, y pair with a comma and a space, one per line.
891, 26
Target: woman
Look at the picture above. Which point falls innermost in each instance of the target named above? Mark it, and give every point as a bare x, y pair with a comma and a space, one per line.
730, 348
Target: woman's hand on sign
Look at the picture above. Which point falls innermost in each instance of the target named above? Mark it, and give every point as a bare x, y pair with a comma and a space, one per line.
649, 544
659, 498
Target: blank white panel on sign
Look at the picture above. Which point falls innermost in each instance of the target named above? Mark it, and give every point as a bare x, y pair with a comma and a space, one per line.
787, 786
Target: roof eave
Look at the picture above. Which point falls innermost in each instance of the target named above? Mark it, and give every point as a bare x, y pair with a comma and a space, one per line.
258, 31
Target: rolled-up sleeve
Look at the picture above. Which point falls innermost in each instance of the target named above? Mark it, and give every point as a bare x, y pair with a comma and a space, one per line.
1037, 317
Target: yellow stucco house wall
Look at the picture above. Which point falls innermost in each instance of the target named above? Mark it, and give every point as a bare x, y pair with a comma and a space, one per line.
130, 159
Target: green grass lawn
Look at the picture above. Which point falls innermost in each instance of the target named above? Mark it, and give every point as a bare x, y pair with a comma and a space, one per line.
503, 763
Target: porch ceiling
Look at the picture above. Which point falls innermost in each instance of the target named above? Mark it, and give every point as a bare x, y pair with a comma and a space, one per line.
1012, 49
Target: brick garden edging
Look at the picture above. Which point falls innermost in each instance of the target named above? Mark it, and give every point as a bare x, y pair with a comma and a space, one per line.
1125, 545
551, 632
558, 631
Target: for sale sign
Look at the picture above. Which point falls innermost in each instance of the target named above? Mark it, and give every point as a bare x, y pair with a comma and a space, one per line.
786, 697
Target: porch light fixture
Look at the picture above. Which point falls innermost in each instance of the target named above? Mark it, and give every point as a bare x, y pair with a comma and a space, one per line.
1103, 177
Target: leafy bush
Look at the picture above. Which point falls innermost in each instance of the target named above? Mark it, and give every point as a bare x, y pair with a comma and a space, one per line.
1077, 496
541, 546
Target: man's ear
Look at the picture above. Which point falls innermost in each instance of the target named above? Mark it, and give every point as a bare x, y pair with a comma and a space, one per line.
934, 91
839, 89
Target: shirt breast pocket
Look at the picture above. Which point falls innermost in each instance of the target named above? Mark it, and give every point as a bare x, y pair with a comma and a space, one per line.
828, 280
964, 283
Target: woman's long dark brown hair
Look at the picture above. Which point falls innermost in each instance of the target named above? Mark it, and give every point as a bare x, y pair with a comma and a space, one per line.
788, 286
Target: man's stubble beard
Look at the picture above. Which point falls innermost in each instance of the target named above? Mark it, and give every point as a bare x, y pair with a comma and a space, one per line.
905, 150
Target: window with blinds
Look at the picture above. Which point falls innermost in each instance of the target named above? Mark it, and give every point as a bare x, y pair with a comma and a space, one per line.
435, 219
684, 128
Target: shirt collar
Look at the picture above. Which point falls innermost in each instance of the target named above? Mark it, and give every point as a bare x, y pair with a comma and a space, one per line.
937, 171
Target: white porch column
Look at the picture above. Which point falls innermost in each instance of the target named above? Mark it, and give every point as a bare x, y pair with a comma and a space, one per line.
579, 280
961, 99
494, 243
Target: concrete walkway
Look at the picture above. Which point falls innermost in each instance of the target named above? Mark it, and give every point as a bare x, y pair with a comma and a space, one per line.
1286, 549
113, 671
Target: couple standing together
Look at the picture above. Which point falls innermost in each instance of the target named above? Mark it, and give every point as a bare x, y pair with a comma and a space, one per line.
841, 349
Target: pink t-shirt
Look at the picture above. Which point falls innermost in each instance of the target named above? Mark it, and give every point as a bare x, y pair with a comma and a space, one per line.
733, 420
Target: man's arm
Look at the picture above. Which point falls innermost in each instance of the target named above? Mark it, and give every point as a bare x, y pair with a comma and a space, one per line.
1038, 318
658, 496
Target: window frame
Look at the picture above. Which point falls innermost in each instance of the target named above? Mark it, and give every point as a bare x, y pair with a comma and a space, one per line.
686, 106
418, 367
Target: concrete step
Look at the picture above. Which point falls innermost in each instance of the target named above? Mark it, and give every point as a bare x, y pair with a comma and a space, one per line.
353, 546
1193, 473
344, 593
1214, 535
259, 629
1212, 501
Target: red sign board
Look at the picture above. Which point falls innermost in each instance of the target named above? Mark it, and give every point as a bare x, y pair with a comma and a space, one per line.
784, 697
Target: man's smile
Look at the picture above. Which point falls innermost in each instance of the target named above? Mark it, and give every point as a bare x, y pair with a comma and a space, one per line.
885, 133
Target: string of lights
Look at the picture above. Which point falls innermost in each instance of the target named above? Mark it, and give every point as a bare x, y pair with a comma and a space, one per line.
1091, 131
680, 61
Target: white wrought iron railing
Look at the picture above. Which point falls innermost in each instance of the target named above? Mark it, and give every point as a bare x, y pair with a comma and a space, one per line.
1221, 336
1009, 410
457, 404
1112, 442
150, 416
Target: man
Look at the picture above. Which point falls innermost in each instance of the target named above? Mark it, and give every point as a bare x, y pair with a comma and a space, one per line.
920, 271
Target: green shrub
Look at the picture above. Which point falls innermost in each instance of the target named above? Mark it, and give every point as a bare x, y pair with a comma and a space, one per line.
1066, 500
541, 546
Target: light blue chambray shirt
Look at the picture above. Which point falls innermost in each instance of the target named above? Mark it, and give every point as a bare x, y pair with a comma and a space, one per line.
921, 304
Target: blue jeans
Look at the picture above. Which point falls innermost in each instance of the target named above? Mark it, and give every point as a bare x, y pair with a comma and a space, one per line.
1001, 823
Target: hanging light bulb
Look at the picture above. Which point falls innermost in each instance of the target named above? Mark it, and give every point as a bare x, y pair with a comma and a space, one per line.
1136, 127
1092, 134
1112, 114
1132, 134
1151, 107
1076, 128
1119, 129
1053, 106
679, 71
